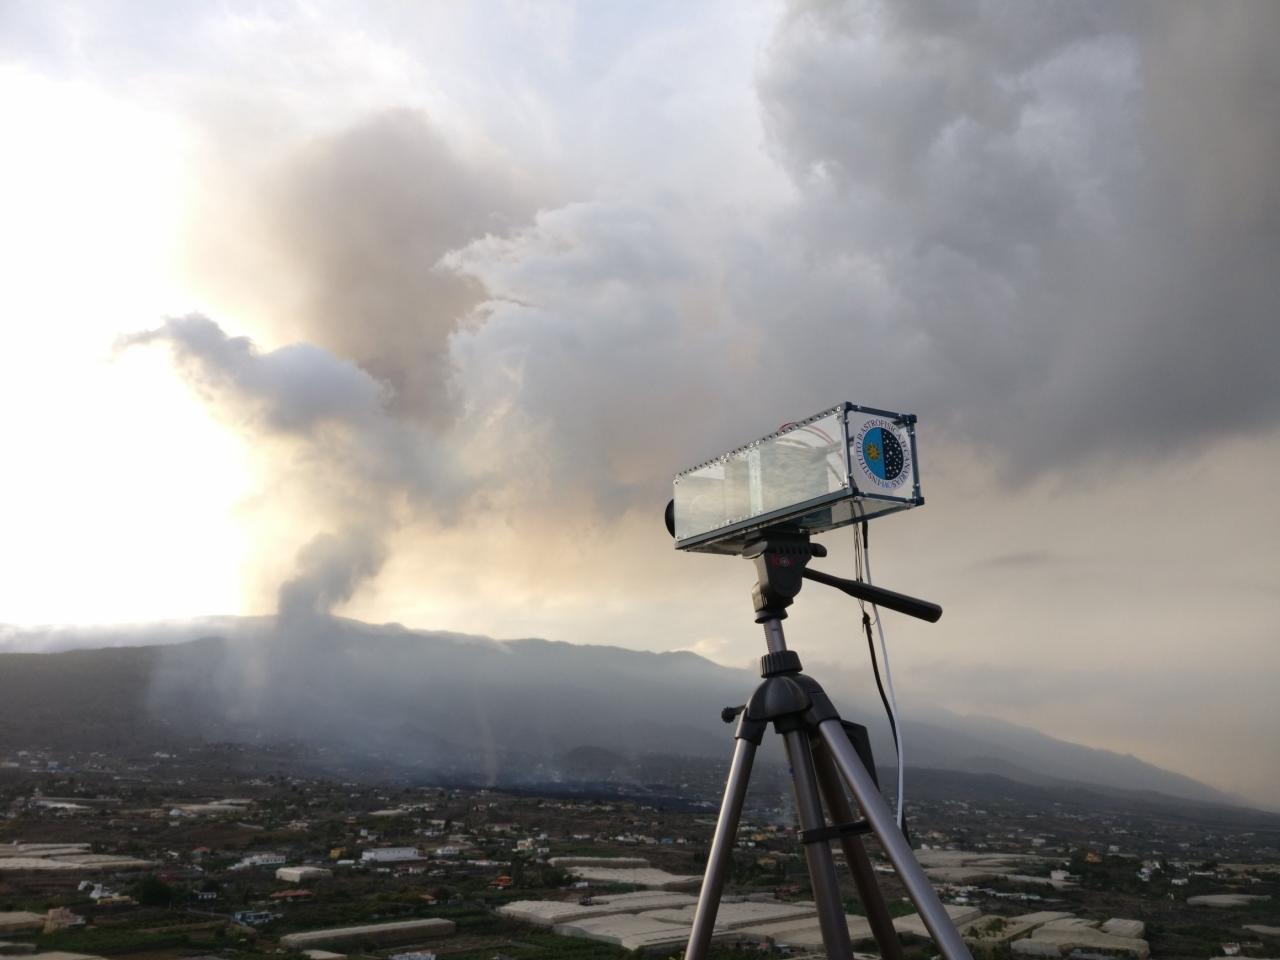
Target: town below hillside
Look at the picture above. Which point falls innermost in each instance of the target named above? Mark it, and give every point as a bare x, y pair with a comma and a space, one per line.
231, 853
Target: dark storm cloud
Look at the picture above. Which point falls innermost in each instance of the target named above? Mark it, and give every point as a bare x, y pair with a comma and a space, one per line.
1006, 221
1056, 225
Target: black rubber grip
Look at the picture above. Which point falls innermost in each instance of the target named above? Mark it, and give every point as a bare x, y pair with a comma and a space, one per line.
889, 599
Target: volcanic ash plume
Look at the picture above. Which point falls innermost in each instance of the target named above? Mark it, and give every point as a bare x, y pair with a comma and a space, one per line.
325, 430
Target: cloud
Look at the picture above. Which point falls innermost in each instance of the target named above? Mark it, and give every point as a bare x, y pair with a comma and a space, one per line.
1022, 560
365, 468
330, 567
47, 638
1050, 231
296, 389
603, 350
338, 238
332, 243
1039, 221
336, 241
1011, 231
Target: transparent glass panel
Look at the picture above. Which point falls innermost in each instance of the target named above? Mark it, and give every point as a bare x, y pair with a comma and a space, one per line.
777, 473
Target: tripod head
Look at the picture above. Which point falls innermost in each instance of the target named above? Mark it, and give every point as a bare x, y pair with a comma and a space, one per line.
782, 557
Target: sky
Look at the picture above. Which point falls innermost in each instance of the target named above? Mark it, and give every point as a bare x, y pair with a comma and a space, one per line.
410, 312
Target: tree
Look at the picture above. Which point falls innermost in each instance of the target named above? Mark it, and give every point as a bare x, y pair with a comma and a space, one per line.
151, 891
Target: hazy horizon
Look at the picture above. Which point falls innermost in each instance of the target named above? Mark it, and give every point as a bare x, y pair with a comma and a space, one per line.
262, 684
410, 315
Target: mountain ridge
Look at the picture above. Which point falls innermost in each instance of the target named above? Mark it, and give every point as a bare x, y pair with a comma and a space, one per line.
472, 704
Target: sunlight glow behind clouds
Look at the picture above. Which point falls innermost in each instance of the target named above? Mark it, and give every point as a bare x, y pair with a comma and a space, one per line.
119, 491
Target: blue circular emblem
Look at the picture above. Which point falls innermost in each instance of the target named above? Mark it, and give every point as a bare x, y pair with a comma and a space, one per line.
881, 454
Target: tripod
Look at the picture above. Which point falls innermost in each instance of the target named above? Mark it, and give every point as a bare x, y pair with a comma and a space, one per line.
825, 754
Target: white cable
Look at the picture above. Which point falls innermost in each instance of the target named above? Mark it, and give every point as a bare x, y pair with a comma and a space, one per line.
888, 683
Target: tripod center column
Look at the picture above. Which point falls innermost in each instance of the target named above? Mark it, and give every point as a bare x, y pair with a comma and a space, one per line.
773, 636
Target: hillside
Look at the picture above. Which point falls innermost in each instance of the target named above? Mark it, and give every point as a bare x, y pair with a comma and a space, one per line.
515, 711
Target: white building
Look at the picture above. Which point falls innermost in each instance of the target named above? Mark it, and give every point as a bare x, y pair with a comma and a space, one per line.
259, 860
390, 854
302, 874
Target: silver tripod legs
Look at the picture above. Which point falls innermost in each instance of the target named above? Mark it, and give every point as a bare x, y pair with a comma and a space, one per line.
856, 858
817, 853
822, 875
735, 792
799, 709
881, 818
822, 870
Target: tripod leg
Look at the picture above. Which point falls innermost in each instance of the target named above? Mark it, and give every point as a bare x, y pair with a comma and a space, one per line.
855, 855
881, 818
822, 868
735, 791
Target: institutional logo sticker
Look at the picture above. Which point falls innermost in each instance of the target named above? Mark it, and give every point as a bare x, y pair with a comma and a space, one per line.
883, 457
